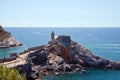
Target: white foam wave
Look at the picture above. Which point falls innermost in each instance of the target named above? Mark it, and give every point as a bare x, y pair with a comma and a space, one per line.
107, 47
89, 34
112, 45
37, 32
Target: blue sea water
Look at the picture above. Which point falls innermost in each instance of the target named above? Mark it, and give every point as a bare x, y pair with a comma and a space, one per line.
104, 42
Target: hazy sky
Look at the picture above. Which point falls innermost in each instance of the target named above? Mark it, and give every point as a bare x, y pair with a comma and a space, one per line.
60, 13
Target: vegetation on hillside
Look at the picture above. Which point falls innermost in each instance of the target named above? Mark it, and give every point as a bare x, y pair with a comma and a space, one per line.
10, 74
3, 34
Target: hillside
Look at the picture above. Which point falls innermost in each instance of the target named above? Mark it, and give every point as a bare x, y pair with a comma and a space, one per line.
3, 34
6, 39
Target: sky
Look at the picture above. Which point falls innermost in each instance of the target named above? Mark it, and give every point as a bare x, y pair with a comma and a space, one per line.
60, 13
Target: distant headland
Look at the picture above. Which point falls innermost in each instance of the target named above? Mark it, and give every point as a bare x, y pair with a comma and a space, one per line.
6, 39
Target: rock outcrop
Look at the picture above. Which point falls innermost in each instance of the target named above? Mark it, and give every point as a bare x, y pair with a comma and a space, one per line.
73, 55
63, 55
6, 39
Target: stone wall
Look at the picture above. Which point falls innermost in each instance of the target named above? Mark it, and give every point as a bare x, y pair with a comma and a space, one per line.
64, 40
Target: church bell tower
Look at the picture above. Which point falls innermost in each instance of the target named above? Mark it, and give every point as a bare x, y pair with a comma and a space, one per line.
52, 36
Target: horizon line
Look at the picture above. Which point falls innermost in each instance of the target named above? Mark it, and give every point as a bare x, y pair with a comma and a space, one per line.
58, 27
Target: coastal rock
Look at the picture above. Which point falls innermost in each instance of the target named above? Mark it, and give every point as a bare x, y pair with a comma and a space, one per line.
38, 57
64, 55
6, 40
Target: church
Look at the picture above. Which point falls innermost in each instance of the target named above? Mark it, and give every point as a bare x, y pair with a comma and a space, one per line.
62, 39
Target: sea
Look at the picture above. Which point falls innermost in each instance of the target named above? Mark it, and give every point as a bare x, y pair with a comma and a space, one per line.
103, 42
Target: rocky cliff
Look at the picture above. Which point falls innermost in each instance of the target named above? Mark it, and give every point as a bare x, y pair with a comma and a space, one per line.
61, 55
58, 57
6, 39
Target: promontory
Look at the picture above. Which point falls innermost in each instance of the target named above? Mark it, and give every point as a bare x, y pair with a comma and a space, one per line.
6, 39
60, 54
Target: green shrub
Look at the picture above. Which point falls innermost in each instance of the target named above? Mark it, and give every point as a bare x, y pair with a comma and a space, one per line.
10, 74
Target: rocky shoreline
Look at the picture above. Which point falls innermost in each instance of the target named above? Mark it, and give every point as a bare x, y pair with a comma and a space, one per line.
61, 54
9, 42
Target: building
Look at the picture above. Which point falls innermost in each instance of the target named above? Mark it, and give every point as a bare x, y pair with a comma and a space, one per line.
52, 36
64, 40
